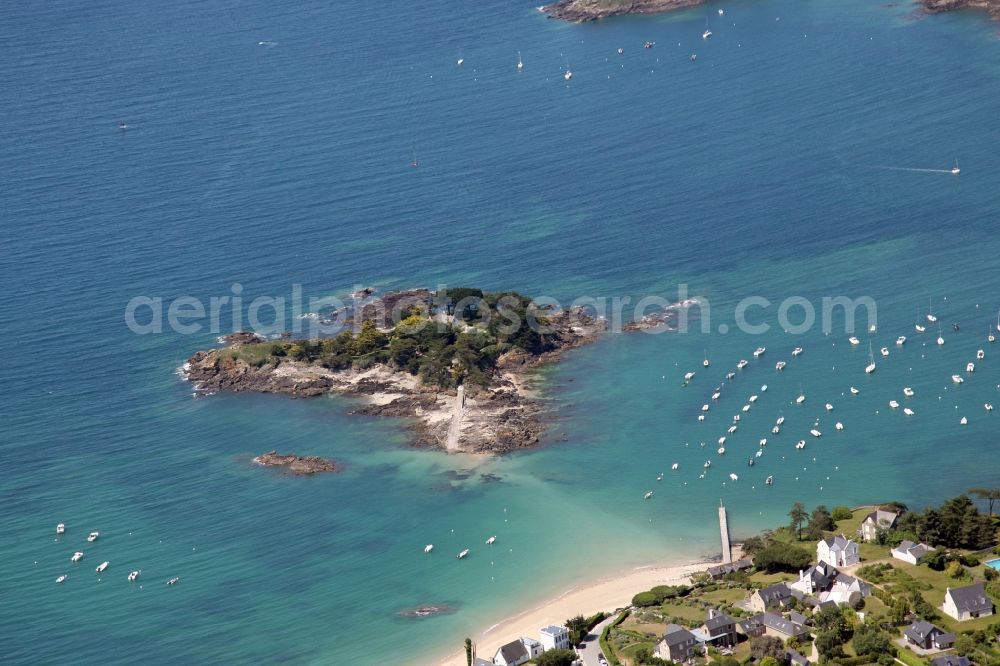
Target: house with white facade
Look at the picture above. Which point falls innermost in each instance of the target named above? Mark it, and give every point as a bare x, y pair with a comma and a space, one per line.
965, 603
517, 652
554, 637
880, 519
838, 551
910, 552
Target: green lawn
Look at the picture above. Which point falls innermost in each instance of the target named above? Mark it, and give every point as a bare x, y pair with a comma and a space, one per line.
765, 579
683, 611
724, 596
910, 659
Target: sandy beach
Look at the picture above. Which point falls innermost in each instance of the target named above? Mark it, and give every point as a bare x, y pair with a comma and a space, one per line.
607, 595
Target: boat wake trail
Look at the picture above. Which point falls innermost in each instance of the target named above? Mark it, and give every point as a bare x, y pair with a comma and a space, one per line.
892, 168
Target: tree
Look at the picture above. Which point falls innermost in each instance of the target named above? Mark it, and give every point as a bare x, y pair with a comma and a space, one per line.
936, 559
768, 661
782, 557
829, 644
991, 495
762, 647
842, 513
964, 644
831, 619
754, 545
645, 599
556, 658
577, 629
470, 652
869, 639
798, 515
822, 519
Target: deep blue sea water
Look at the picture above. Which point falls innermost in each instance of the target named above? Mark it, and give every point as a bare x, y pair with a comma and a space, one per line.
747, 172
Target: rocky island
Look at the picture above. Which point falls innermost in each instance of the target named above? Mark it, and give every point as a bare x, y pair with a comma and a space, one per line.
456, 364
580, 11
297, 465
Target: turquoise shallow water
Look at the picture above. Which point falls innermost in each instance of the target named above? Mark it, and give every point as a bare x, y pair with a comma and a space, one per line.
747, 172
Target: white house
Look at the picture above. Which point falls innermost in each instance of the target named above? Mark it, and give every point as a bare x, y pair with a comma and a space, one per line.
838, 551
554, 637
880, 519
965, 603
517, 652
678, 644
907, 551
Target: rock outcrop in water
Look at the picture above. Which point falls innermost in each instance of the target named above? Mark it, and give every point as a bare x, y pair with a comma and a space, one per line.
298, 465
580, 11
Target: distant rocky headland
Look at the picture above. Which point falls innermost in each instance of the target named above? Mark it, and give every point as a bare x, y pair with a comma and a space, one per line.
580, 11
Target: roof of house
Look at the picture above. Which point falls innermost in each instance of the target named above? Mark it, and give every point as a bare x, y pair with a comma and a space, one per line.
553, 630
797, 618
839, 542
920, 630
882, 515
776, 592
951, 660
971, 598
775, 622
819, 575
731, 567
796, 658
917, 550
676, 634
479, 661
513, 651
719, 621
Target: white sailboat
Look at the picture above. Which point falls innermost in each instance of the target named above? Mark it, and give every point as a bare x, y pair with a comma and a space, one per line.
940, 338
920, 328
870, 368
930, 311
520, 63
955, 170
569, 73
900, 341
463, 554
428, 548
707, 33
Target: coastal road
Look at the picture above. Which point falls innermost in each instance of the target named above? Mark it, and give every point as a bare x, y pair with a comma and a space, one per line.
591, 643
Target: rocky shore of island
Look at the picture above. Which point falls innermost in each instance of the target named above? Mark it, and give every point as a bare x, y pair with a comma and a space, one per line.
992, 7
460, 407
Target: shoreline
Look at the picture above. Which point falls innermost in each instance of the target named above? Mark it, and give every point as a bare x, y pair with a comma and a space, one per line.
603, 594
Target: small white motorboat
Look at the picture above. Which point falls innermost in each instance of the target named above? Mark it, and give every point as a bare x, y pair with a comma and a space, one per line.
957, 379
732, 429
568, 75
659, 477
763, 441
839, 425
730, 375
757, 353
93, 536
736, 418
760, 452
721, 12
463, 554
781, 420
102, 566
704, 408
908, 411
62, 578
763, 388
688, 376
674, 466
815, 433
752, 399
174, 580
829, 407
854, 341
988, 407
722, 440
980, 354
742, 364
721, 450
648, 495
708, 463
779, 366
716, 395
706, 34
971, 367
428, 548
796, 351
750, 462
872, 328
854, 391
733, 477
460, 62
920, 329
894, 404
801, 444
884, 351
799, 400
769, 481
746, 408
776, 430
60, 528
133, 575
907, 391
963, 421
492, 540
900, 341
77, 556
701, 417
